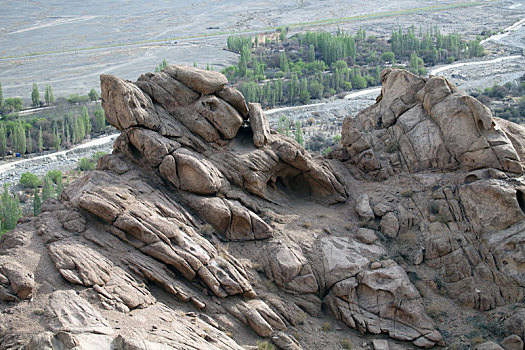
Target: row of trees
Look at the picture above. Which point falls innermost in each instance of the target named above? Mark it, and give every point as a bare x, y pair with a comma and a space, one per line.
15, 104
433, 46
316, 64
23, 137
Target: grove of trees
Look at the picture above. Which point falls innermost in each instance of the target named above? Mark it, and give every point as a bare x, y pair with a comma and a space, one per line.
293, 70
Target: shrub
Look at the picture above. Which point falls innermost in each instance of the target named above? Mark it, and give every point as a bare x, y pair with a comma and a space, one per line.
85, 164
264, 345
326, 327
346, 343
97, 155
30, 180
55, 175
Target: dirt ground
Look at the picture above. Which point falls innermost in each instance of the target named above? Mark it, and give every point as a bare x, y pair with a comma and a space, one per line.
61, 30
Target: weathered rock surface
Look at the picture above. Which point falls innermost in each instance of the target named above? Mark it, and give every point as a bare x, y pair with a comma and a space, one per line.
205, 222
422, 124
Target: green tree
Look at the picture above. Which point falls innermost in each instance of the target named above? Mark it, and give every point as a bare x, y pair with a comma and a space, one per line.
47, 189
86, 121
20, 141
93, 95
3, 140
37, 203
13, 104
299, 134
29, 142
388, 56
100, 120
1, 97
284, 65
10, 209
35, 95
49, 96
40, 141
30, 180
57, 140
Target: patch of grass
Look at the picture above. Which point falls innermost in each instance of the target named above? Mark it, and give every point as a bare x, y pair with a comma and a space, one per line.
346, 343
477, 340
408, 193
229, 334
265, 345
326, 327
435, 310
307, 224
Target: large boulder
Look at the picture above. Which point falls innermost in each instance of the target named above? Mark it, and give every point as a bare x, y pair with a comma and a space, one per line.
421, 124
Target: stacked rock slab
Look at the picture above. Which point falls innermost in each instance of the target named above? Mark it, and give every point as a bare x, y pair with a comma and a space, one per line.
421, 124
464, 199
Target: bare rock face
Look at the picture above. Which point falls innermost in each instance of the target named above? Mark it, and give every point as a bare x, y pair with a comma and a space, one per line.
205, 228
423, 124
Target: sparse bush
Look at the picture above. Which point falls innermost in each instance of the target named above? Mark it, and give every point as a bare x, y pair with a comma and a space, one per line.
206, 229
346, 343
85, 164
326, 327
30, 180
477, 340
55, 175
408, 193
435, 310
97, 155
264, 345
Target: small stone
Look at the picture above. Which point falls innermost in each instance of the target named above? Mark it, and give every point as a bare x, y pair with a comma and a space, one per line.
389, 225
379, 344
366, 235
362, 207
375, 265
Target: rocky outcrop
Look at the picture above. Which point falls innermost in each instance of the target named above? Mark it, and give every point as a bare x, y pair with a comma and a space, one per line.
421, 124
205, 227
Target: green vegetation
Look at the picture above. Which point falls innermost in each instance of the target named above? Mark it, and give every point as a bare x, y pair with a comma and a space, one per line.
49, 96
264, 345
30, 180
70, 121
506, 101
293, 70
35, 96
88, 164
93, 95
10, 210
161, 66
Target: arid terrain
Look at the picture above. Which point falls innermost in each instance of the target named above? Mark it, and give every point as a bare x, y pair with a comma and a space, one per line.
115, 39
205, 228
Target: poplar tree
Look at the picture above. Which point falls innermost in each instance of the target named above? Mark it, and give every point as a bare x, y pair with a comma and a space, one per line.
3, 140
40, 141
35, 95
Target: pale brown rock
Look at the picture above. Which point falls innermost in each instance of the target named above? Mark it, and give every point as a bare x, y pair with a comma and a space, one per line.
423, 124
259, 125
366, 235
71, 313
235, 98
126, 105
362, 207
17, 280
389, 224
203, 81
512, 342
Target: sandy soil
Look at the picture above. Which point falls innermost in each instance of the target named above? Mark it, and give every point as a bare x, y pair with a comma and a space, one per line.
40, 26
